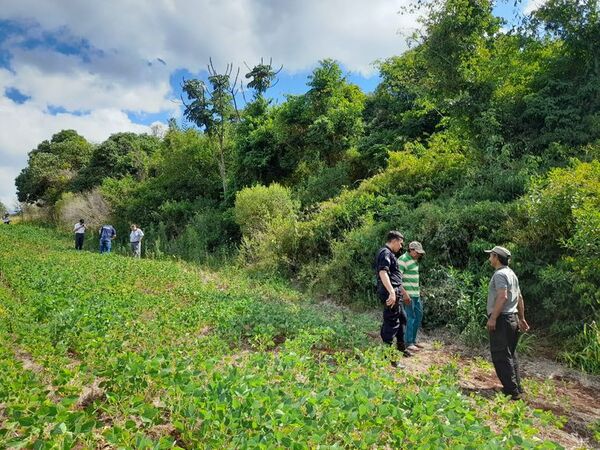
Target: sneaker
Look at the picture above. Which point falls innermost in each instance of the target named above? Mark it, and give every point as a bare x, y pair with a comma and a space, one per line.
407, 354
413, 348
516, 396
397, 365
420, 345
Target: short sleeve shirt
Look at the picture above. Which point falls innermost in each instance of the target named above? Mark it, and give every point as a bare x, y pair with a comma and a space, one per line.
136, 235
79, 228
386, 260
107, 232
504, 278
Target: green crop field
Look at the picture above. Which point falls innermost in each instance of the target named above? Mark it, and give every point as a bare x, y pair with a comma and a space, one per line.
111, 352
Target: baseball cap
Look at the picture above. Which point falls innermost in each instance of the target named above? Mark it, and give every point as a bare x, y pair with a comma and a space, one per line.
416, 246
500, 251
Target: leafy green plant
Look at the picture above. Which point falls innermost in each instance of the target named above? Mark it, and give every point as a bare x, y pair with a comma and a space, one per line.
160, 354
586, 353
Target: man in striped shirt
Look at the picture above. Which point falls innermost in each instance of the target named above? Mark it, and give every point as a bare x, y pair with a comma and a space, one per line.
408, 264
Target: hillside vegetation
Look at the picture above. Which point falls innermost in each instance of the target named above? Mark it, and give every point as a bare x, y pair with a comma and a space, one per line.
478, 135
104, 351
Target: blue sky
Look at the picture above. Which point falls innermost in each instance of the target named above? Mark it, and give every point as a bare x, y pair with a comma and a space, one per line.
112, 66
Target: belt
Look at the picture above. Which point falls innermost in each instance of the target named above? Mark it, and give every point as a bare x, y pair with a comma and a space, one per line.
504, 314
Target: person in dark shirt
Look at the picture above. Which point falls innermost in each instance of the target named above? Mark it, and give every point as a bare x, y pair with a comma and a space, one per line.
389, 292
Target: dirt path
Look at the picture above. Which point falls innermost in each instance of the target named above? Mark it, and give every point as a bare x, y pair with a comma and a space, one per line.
549, 386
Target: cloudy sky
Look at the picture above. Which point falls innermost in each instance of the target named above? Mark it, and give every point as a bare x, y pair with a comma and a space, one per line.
117, 65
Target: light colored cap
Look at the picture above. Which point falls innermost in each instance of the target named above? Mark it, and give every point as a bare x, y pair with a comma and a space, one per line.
417, 247
500, 251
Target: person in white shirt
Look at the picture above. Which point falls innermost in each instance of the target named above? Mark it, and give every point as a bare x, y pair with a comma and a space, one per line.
79, 230
135, 239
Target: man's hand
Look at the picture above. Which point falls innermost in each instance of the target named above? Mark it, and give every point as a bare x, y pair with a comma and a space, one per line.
391, 300
523, 326
406, 299
491, 324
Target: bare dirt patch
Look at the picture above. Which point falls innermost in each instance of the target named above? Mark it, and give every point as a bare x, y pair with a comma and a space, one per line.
90, 394
549, 385
31, 365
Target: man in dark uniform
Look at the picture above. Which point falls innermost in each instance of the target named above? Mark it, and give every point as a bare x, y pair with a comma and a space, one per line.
389, 284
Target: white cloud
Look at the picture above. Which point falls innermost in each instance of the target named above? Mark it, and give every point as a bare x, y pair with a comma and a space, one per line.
26, 125
533, 5
185, 33
112, 42
7, 188
73, 87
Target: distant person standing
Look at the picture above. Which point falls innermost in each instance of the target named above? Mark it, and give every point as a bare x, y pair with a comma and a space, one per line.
409, 266
107, 234
135, 239
79, 230
506, 318
6, 219
389, 291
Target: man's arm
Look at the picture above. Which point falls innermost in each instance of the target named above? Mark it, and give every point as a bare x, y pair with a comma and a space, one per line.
501, 297
385, 279
405, 296
523, 325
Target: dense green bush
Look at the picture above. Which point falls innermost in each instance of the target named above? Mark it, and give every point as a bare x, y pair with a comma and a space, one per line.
349, 276
583, 351
561, 227
258, 206
267, 217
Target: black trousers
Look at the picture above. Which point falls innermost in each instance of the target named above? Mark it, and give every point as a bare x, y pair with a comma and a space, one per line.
503, 346
79, 240
394, 324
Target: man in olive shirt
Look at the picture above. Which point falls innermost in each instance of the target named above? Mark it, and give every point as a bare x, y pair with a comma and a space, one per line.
506, 317
390, 293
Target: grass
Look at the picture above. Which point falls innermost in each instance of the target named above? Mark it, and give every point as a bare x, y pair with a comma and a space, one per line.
107, 350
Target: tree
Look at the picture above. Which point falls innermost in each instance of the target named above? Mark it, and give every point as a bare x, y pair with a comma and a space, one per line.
318, 133
3, 209
52, 166
564, 104
120, 155
187, 169
261, 77
399, 111
256, 141
213, 109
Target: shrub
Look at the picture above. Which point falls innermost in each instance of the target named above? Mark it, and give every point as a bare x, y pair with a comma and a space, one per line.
208, 232
259, 205
267, 219
272, 251
349, 276
559, 234
91, 206
587, 355
457, 299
